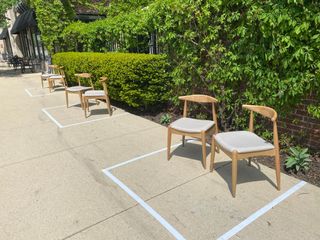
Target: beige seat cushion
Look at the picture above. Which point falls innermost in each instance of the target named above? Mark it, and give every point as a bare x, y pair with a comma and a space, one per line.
191, 125
78, 88
55, 76
47, 75
242, 142
95, 93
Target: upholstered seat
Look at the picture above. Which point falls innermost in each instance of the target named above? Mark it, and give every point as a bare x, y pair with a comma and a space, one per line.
56, 76
47, 75
94, 93
242, 142
78, 88
191, 125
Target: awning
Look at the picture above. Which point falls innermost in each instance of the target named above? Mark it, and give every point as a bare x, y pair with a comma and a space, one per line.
24, 21
4, 34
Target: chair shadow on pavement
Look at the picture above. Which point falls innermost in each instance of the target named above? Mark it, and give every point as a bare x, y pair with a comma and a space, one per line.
246, 173
98, 112
192, 151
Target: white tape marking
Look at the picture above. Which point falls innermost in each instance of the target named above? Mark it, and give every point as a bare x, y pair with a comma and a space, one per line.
95, 120
28, 92
61, 106
147, 207
52, 118
75, 124
143, 156
261, 211
38, 95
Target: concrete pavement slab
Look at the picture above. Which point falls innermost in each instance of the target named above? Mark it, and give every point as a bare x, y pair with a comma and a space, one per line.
133, 224
297, 218
199, 204
55, 196
28, 142
115, 150
163, 175
205, 209
74, 114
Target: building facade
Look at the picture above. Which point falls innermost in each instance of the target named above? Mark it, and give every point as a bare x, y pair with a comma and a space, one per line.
22, 37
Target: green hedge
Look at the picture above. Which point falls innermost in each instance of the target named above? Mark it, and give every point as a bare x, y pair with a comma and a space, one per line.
139, 80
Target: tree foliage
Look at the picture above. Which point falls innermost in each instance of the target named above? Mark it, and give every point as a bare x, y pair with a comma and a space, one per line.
123, 33
258, 52
53, 16
5, 5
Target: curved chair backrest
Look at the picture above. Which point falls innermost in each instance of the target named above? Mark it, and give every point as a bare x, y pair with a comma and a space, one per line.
103, 81
263, 110
266, 112
87, 76
200, 98
54, 69
62, 73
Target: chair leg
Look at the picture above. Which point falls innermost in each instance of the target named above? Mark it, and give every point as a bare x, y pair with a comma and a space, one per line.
109, 107
169, 143
81, 100
204, 147
67, 98
234, 172
85, 107
87, 104
213, 152
183, 140
277, 162
49, 85
41, 82
249, 161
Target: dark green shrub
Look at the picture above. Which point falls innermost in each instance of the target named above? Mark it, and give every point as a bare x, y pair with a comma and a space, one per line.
139, 80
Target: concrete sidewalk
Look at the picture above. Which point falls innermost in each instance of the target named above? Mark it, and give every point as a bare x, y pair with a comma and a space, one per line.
53, 187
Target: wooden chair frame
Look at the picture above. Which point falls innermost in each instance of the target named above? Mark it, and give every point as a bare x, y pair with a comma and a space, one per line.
80, 92
103, 81
52, 69
58, 70
199, 135
235, 156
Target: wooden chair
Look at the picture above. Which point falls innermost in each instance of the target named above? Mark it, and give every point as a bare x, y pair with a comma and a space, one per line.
193, 127
79, 89
52, 71
245, 144
97, 95
58, 76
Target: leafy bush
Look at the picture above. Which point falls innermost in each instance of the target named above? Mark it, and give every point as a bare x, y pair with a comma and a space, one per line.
139, 80
122, 33
314, 110
298, 159
165, 119
257, 52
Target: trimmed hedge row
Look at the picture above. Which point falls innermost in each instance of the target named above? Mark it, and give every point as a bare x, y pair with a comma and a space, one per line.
139, 80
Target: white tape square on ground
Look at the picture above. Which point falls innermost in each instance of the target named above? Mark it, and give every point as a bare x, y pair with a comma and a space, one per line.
167, 225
